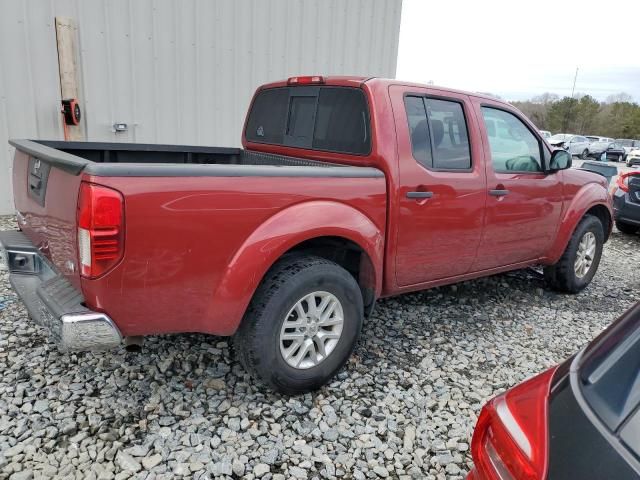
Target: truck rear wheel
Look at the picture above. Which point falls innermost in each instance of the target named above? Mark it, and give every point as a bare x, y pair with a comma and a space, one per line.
580, 260
302, 324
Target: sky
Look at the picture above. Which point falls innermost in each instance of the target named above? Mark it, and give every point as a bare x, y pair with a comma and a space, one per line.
519, 49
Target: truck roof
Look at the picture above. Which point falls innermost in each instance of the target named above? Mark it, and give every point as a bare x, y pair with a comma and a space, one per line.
357, 81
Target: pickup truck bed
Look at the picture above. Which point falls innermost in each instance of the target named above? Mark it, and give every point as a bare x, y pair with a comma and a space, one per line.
188, 227
119, 159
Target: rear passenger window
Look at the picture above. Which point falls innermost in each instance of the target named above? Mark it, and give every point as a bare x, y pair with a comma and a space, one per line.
438, 133
513, 147
419, 130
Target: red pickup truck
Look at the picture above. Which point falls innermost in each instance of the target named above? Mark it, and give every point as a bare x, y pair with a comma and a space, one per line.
346, 190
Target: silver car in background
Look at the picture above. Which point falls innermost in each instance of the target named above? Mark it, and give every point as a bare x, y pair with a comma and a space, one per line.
595, 138
574, 144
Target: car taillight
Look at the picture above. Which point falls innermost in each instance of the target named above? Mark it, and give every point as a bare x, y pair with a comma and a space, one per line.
100, 229
510, 439
623, 180
306, 80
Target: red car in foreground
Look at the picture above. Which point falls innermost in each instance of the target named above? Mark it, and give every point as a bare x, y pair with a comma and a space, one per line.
579, 420
347, 190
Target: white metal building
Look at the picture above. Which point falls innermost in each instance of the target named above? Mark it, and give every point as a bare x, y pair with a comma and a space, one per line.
172, 71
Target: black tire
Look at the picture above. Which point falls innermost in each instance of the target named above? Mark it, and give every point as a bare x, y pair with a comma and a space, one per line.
257, 341
585, 154
562, 276
627, 228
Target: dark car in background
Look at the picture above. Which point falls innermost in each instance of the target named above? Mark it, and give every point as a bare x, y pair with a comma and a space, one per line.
626, 202
614, 152
578, 420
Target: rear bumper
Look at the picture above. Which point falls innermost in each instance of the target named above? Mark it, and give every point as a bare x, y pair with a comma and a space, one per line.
52, 301
624, 210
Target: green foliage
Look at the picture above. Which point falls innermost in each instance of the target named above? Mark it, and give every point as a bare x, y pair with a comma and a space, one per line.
618, 117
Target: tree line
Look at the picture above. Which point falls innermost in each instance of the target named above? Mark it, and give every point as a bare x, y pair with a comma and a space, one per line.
617, 117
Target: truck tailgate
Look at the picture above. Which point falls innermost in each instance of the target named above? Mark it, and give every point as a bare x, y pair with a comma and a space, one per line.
46, 196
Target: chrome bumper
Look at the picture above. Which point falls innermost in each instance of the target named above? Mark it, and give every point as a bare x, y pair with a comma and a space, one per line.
52, 301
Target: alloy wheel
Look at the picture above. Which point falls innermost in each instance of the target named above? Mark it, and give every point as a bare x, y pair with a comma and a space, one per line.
311, 330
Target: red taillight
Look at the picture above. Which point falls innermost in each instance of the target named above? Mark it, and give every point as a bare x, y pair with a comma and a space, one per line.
306, 80
100, 229
623, 180
510, 439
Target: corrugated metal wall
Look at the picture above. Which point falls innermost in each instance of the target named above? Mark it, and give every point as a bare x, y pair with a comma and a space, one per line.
176, 71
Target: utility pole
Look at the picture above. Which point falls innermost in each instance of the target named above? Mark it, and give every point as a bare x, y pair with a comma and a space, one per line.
565, 124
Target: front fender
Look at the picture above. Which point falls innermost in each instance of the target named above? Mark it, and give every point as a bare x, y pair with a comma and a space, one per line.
274, 238
589, 196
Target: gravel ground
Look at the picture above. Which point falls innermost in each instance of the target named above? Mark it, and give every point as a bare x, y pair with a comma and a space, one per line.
404, 407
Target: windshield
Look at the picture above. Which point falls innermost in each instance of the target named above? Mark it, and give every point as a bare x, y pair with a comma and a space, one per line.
625, 142
594, 139
560, 137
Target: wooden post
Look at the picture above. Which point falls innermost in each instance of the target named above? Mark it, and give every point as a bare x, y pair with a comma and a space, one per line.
67, 63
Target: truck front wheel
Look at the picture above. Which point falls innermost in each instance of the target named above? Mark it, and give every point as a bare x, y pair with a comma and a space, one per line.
580, 260
302, 324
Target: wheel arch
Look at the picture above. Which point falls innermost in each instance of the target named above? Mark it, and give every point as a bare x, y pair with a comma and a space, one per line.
328, 229
592, 199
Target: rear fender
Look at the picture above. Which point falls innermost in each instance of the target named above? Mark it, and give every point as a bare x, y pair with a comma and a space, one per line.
274, 238
589, 196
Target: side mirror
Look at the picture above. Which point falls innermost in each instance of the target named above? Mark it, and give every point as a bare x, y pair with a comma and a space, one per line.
560, 160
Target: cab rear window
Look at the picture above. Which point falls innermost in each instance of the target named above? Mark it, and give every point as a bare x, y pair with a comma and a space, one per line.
334, 119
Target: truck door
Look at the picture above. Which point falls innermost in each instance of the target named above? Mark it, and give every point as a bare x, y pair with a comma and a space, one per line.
442, 186
523, 203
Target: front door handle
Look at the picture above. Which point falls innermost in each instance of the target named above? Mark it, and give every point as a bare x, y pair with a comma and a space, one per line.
498, 193
419, 194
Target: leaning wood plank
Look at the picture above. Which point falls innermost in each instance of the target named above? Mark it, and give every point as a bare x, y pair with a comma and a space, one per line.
66, 39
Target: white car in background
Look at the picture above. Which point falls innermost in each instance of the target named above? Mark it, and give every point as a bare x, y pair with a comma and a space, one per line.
595, 138
574, 144
628, 144
633, 157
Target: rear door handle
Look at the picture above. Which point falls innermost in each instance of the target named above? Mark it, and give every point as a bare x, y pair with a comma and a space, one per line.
498, 193
419, 194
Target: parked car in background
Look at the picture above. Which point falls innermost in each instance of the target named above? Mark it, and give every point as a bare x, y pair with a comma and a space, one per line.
574, 144
628, 144
546, 134
595, 138
633, 157
613, 151
578, 420
626, 202
334, 201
